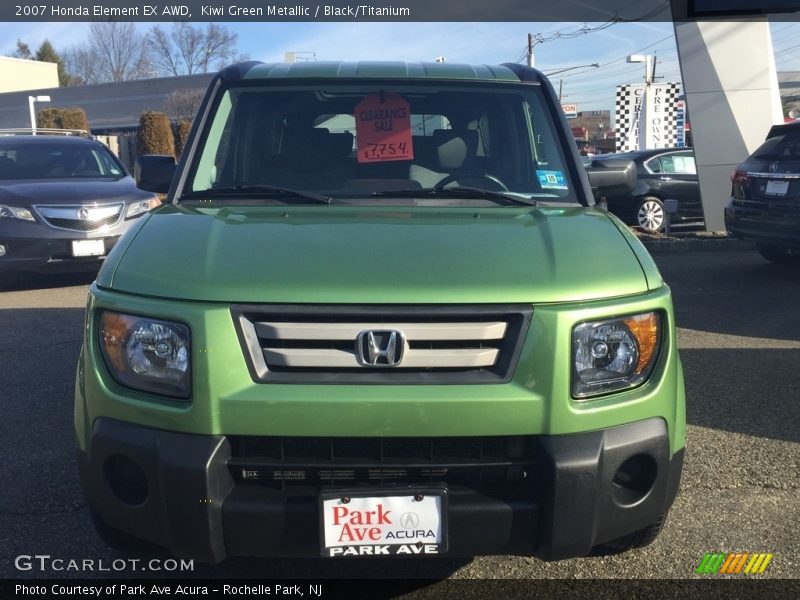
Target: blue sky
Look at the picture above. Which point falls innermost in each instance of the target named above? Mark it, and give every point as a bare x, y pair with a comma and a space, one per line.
590, 89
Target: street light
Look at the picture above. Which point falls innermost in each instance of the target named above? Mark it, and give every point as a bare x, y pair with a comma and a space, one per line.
31, 100
647, 59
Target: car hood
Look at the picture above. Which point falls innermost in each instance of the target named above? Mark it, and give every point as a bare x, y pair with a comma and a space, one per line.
379, 255
69, 190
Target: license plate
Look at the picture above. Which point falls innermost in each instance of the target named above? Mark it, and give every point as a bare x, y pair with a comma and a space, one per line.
88, 248
777, 188
362, 523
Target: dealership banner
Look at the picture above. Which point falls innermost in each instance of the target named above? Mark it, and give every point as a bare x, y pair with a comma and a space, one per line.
646, 116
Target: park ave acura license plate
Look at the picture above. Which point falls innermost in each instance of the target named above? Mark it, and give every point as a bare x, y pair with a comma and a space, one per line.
408, 521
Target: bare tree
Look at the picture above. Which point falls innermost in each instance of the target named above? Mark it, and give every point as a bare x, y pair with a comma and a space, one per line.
121, 53
182, 105
165, 58
81, 65
187, 49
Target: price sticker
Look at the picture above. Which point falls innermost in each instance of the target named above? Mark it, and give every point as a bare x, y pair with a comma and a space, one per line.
383, 128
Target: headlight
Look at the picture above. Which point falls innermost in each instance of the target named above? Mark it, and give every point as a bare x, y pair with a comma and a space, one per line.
614, 354
15, 212
138, 208
147, 354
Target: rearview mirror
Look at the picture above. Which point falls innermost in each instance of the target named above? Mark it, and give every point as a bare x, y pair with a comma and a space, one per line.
153, 172
611, 177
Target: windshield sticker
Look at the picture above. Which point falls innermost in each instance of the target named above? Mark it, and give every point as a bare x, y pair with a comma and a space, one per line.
383, 128
552, 179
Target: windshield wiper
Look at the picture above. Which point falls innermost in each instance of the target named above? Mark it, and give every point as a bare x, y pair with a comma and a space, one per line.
256, 191
459, 192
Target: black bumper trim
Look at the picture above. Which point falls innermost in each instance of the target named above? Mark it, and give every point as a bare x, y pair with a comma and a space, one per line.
195, 509
188, 481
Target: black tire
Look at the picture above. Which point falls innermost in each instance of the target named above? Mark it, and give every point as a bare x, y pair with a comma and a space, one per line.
637, 539
779, 255
650, 214
119, 540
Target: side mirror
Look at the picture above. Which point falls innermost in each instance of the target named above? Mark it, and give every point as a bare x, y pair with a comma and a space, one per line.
153, 172
612, 177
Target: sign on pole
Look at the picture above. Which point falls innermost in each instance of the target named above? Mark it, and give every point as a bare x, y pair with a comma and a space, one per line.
570, 110
646, 116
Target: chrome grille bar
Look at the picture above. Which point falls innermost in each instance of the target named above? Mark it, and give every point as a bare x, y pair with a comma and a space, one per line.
494, 330
470, 358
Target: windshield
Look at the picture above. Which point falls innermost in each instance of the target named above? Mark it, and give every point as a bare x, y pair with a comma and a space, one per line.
56, 160
383, 142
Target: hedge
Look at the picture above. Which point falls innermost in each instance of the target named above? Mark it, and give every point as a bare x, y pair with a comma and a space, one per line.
62, 118
181, 133
154, 135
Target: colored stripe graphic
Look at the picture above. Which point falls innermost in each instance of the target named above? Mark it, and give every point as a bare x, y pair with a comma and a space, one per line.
758, 564
726, 566
740, 564
764, 564
730, 563
711, 563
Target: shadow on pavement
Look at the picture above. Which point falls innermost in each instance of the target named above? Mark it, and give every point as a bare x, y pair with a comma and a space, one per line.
733, 293
13, 282
752, 391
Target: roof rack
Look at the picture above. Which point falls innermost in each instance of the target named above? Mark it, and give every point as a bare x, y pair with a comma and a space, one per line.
46, 131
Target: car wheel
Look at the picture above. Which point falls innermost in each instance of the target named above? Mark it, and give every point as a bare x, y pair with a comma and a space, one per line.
638, 539
650, 214
779, 254
119, 540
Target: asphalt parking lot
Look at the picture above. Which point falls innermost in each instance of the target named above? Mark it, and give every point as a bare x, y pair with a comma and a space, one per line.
739, 335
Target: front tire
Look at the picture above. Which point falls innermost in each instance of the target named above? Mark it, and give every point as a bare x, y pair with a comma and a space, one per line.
650, 214
779, 255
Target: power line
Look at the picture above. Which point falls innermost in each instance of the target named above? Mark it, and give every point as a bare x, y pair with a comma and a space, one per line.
541, 38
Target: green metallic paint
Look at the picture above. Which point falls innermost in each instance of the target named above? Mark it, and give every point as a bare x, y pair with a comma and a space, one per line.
654, 279
227, 401
379, 255
393, 70
112, 260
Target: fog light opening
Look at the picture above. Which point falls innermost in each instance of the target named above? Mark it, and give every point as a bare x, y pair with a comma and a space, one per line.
2, 250
126, 479
634, 479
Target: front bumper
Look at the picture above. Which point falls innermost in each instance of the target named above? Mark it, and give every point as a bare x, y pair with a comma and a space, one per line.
574, 499
38, 247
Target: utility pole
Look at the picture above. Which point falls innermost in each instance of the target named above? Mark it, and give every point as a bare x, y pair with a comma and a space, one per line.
531, 60
560, 88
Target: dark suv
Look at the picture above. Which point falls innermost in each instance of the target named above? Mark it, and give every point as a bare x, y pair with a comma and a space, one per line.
65, 200
765, 197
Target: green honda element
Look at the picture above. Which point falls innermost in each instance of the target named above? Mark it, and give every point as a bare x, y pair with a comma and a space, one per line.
380, 314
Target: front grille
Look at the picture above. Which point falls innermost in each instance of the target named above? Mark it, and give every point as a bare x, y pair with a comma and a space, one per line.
382, 345
78, 225
80, 217
295, 464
